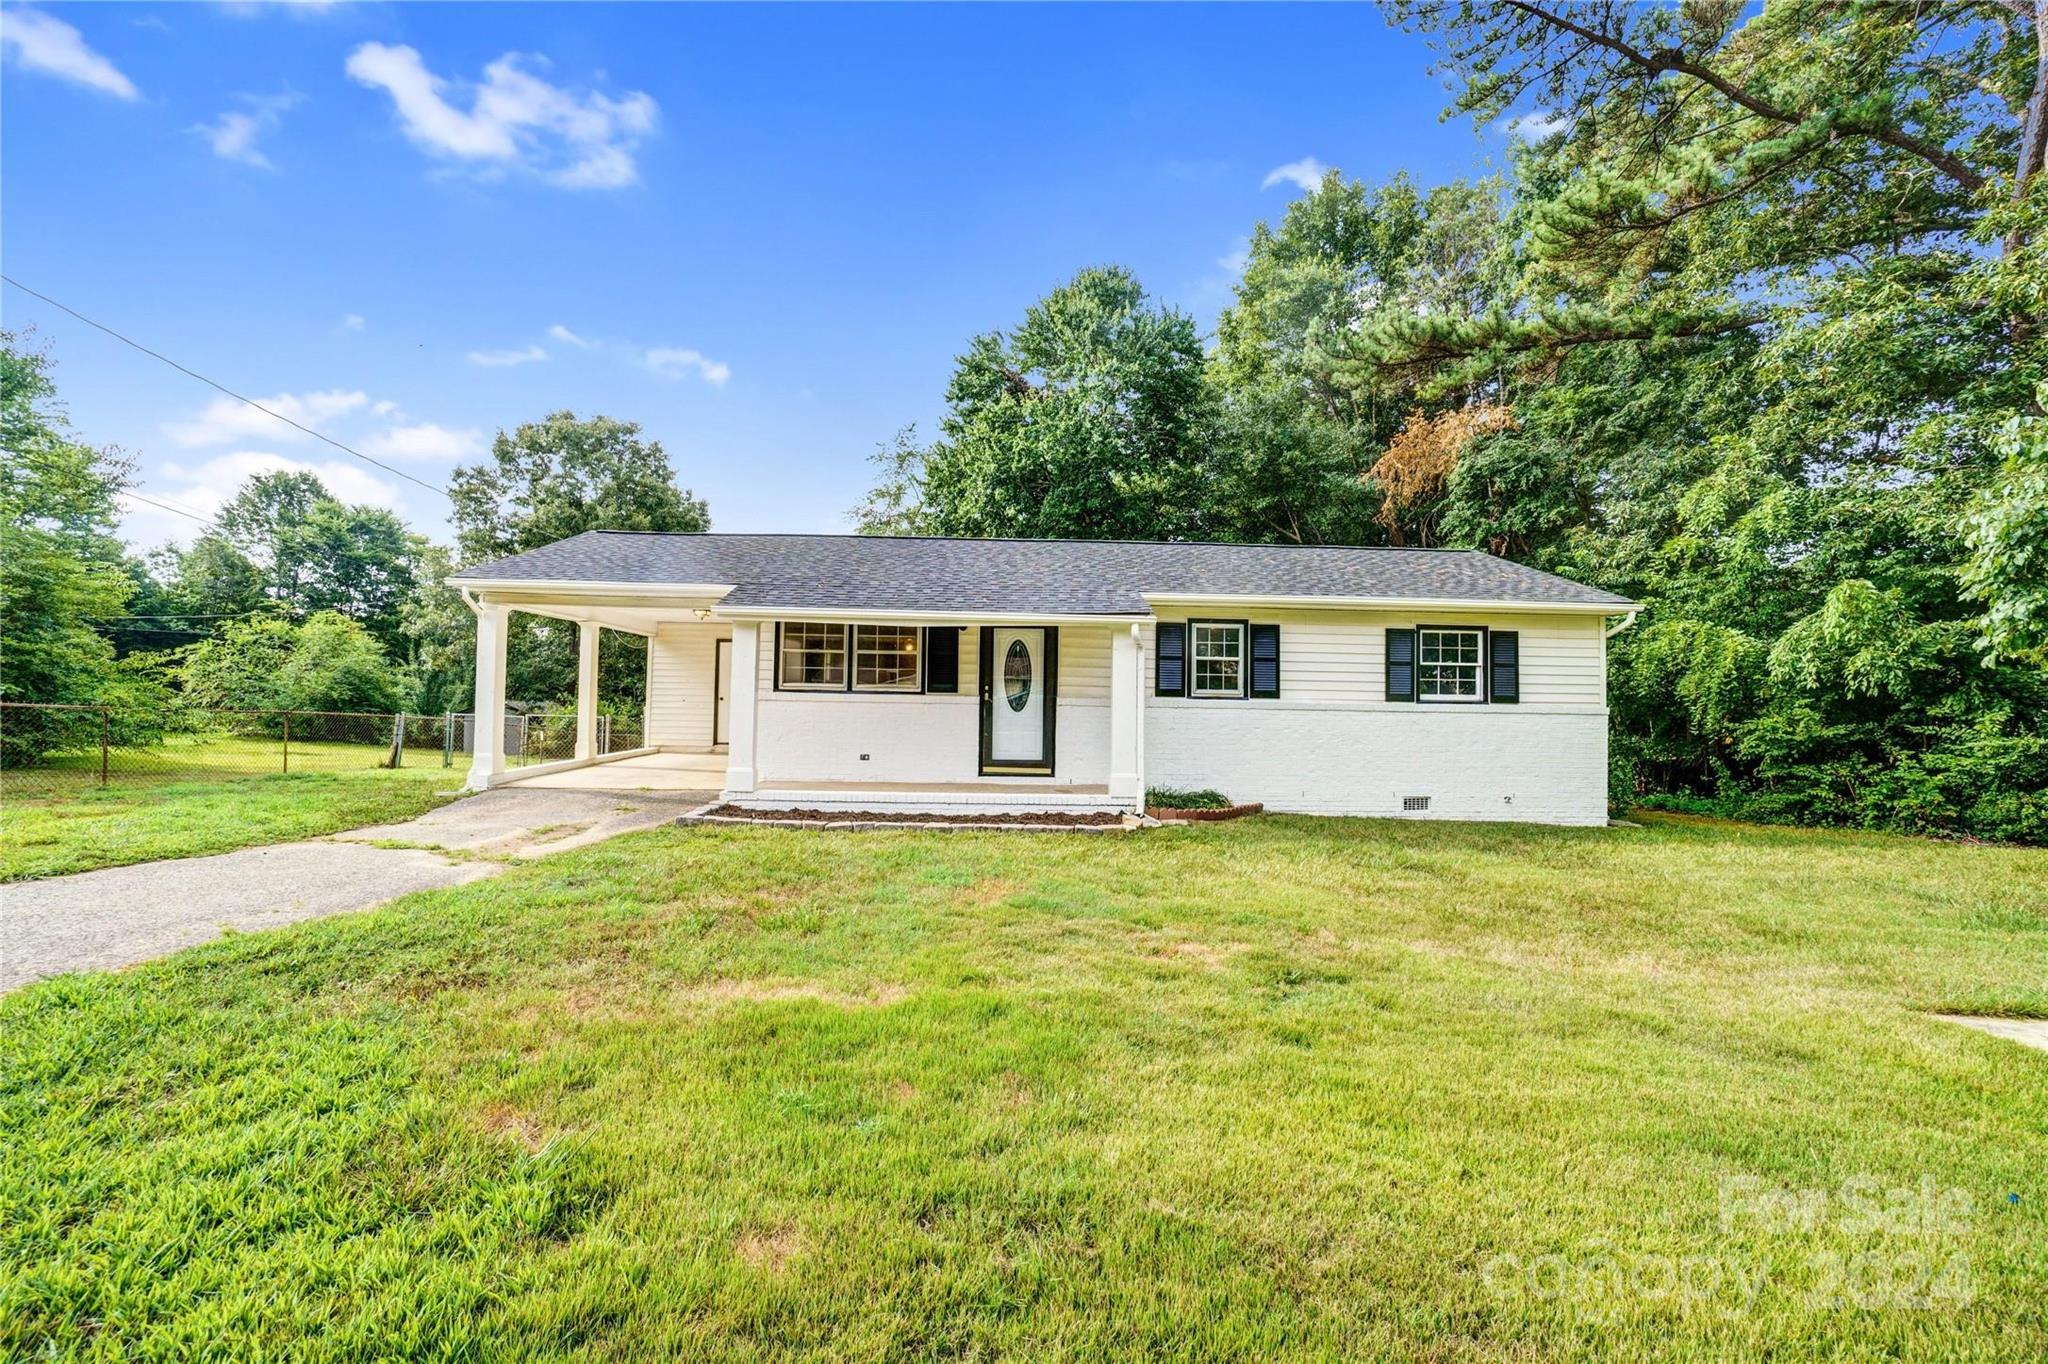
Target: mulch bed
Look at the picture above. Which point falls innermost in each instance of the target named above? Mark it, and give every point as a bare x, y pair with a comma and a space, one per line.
1225, 812
1042, 817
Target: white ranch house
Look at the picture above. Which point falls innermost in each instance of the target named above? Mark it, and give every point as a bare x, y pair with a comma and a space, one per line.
936, 675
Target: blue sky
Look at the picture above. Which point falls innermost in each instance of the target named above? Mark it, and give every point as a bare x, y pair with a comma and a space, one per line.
762, 233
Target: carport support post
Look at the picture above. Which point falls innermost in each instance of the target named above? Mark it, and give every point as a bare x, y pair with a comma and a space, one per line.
1126, 702
488, 744
746, 680
586, 690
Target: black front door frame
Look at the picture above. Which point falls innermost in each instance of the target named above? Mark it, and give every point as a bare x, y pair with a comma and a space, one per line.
1010, 767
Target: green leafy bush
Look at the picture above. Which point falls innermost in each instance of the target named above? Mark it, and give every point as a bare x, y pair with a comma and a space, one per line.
1172, 798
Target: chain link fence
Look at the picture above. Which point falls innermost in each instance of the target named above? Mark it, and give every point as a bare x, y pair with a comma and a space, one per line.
51, 749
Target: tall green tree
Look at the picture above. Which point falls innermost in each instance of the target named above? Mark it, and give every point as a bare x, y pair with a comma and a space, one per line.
1089, 420
310, 551
1299, 437
61, 564
1777, 297
545, 481
561, 476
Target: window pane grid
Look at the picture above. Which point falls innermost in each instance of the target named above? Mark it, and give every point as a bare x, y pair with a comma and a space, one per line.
813, 656
885, 658
1447, 665
1219, 660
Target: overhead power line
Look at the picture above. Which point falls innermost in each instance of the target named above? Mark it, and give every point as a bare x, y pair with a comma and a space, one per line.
210, 383
176, 511
123, 491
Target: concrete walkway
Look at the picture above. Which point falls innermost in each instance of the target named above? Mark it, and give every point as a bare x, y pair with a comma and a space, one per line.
97, 920
2028, 1032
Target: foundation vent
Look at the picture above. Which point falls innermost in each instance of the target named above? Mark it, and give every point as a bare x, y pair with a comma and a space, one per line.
1415, 802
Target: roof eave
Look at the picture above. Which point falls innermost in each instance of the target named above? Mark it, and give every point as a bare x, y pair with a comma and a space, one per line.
1333, 603
568, 587
890, 613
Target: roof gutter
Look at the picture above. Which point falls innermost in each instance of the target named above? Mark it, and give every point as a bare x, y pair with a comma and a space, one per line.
1384, 603
858, 614
575, 588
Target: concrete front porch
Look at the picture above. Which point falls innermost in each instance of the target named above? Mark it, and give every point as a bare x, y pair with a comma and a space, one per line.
933, 797
657, 771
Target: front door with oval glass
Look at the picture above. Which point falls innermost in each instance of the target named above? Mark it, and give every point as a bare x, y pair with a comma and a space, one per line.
1017, 699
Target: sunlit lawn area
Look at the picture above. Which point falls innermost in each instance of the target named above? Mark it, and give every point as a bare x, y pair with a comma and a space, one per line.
1279, 1088
89, 827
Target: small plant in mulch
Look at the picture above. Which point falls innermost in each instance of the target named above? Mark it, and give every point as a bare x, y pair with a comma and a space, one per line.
1174, 798
1167, 802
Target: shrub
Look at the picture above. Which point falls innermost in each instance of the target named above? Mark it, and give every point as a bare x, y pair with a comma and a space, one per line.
1171, 798
328, 663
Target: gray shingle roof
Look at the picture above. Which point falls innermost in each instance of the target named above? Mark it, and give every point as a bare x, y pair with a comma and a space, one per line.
1036, 577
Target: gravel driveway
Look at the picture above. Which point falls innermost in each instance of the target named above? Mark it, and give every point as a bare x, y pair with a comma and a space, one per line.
97, 920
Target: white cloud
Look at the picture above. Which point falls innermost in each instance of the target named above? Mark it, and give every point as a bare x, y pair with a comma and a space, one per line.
38, 42
424, 441
567, 337
505, 359
226, 419
1239, 257
233, 135
1535, 127
671, 362
1306, 173
205, 487
353, 322
515, 120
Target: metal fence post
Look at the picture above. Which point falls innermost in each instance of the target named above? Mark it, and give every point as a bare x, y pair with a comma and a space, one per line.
106, 725
287, 741
448, 739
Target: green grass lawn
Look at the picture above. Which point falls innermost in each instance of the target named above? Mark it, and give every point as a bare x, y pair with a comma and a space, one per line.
52, 835
1278, 1088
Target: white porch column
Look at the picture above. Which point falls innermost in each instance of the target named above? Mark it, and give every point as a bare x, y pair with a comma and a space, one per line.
487, 766
586, 690
1126, 779
746, 688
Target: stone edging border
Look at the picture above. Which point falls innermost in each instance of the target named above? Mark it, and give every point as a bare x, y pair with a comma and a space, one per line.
936, 823
1168, 814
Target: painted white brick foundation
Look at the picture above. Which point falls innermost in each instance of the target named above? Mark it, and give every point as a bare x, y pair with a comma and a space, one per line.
1475, 762
911, 739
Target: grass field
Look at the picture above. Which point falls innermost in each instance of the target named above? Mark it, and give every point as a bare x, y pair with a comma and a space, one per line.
79, 831
1283, 1088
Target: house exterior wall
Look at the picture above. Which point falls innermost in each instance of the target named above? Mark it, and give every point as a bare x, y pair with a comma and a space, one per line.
1333, 744
822, 736
680, 683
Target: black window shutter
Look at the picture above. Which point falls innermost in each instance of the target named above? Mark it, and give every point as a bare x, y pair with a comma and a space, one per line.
1400, 665
942, 658
1171, 663
1265, 660
1506, 672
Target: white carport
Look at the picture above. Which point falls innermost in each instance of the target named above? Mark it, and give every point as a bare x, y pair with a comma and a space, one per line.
592, 607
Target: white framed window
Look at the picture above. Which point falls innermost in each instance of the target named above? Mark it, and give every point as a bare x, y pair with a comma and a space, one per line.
1216, 650
812, 658
885, 658
1448, 663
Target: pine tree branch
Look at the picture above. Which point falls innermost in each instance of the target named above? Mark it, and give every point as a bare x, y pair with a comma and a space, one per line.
1654, 64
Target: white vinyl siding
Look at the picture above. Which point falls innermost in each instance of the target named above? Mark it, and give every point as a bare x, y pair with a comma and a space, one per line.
680, 692
1339, 657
